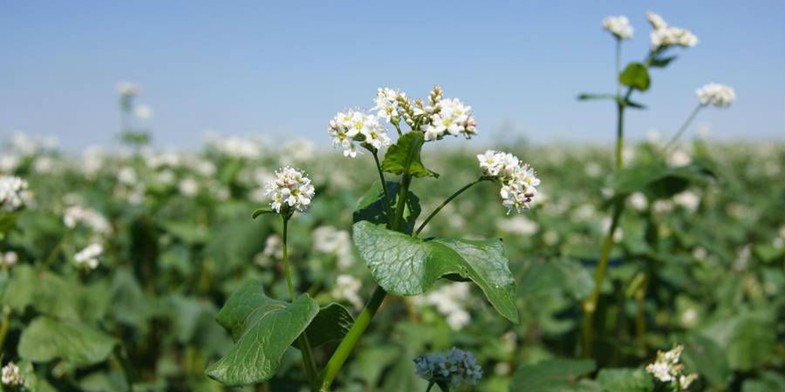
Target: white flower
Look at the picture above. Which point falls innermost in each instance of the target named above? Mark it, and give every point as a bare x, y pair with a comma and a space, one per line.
91, 218
687, 200
450, 301
143, 112
290, 189
719, 95
387, 103
519, 181
666, 367
357, 127
11, 375
13, 193
450, 116
329, 240
685, 381
619, 26
88, 257
455, 368
519, 225
638, 201
8, 260
664, 36
128, 89
188, 187
347, 288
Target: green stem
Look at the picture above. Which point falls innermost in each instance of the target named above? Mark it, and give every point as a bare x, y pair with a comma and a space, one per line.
683, 128
384, 183
640, 316
362, 322
286, 269
311, 371
4, 324
445, 202
430, 385
590, 304
618, 65
406, 180
347, 344
55, 251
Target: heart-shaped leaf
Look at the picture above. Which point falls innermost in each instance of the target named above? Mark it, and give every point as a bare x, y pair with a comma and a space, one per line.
403, 157
636, 75
263, 329
404, 265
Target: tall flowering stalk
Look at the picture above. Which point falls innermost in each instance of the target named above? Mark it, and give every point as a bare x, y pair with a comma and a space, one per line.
634, 77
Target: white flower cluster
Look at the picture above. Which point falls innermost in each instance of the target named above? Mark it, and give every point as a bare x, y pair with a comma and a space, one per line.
715, 94
11, 376
13, 193
442, 116
290, 189
91, 218
353, 127
449, 300
664, 35
449, 116
619, 26
347, 288
88, 257
519, 181
668, 369
8, 260
455, 368
329, 240
128, 89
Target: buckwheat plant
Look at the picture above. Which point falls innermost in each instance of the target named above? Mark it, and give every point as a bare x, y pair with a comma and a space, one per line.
635, 78
667, 370
385, 233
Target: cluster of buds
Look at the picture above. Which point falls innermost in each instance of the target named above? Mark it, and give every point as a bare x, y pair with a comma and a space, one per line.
8, 259
353, 127
619, 26
290, 191
91, 218
454, 369
518, 179
666, 368
664, 36
13, 193
719, 95
11, 377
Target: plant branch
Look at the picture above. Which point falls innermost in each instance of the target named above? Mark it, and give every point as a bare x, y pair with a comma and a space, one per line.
447, 201
683, 128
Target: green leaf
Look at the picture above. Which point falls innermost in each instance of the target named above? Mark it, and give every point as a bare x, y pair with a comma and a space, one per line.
588, 97
80, 344
628, 380
263, 329
404, 265
551, 375
332, 323
372, 206
260, 211
634, 104
403, 157
636, 75
705, 355
661, 62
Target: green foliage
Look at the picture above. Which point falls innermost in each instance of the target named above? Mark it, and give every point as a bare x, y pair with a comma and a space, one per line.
554, 375
77, 343
330, 324
403, 157
263, 329
404, 265
636, 76
628, 380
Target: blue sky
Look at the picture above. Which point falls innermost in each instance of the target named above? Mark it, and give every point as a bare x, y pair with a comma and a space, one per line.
284, 68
